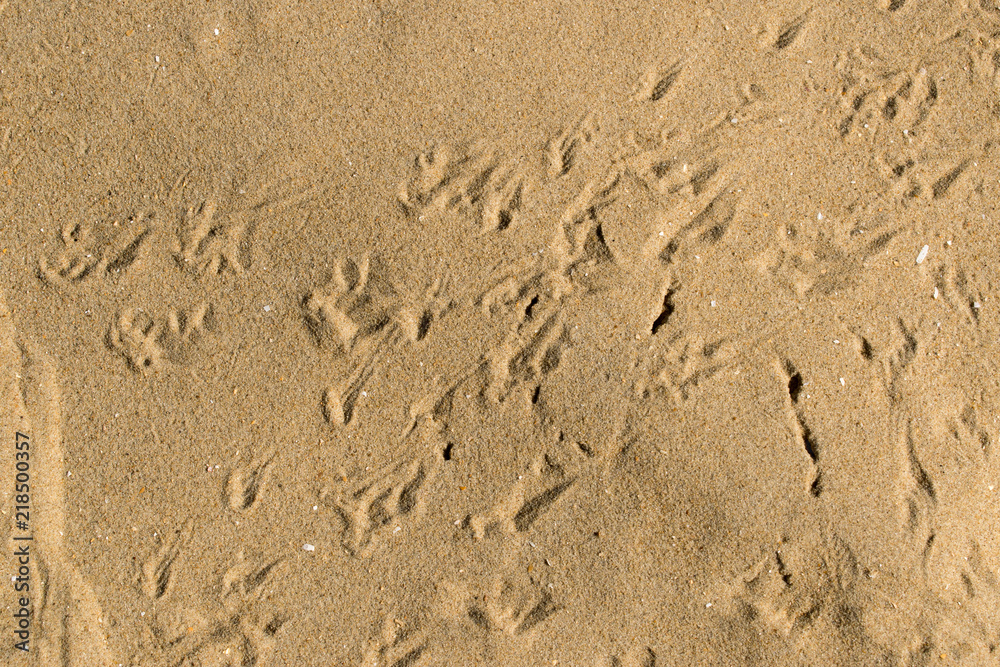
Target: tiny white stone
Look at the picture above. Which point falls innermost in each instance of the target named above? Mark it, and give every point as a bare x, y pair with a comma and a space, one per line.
842, 384
308, 547
923, 254
267, 309
819, 216
216, 31
935, 292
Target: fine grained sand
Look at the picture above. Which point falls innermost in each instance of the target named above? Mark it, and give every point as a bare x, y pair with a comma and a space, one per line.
505, 334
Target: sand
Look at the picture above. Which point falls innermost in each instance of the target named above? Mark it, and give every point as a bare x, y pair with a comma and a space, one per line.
388, 334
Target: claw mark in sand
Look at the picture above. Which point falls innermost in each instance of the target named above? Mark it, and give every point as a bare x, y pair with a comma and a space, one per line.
214, 238
877, 100
511, 609
680, 363
523, 506
919, 497
158, 570
657, 83
85, 254
147, 342
359, 304
919, 474
246, 483
790, 32
395, 646
798, 425
380, 504
340, 401
644, 657
527, 353
667, 311
351, 308
564, 151
715, 214
959, 291
896, 366
239, 631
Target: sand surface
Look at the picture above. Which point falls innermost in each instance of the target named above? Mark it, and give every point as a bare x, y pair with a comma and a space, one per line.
561, 333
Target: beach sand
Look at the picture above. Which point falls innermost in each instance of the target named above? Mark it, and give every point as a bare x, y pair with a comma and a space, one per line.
382, 334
